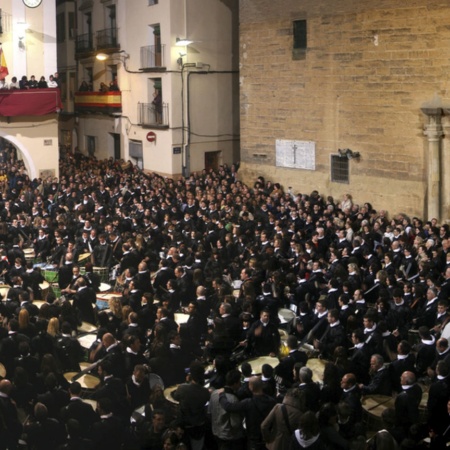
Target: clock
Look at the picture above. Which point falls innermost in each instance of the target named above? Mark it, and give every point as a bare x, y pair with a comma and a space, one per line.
32, 3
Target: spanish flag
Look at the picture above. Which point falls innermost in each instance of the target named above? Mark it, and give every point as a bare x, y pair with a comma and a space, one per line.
3, 67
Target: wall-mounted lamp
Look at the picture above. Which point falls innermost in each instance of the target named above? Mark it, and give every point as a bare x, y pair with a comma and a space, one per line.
349, 154
182, 42
105, 56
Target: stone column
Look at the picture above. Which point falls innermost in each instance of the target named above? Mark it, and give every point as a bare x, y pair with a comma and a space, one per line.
445, 166
434, 132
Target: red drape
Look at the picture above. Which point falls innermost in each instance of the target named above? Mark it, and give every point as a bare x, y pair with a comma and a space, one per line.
30, 102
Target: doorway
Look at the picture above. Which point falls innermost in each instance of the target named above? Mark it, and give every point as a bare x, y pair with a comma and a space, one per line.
212, 160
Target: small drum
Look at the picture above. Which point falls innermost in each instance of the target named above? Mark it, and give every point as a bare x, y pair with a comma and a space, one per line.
373, 407
87, 340
285, 315
83, 258
29, 254
181, 318
413, 337
39, 303
103, 273
87, 381
257, 363
86, 327
2, 371
168, 394
45, 289
317, 366
4, 289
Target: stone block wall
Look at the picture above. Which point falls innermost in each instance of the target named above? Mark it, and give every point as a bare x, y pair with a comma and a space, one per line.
369, 68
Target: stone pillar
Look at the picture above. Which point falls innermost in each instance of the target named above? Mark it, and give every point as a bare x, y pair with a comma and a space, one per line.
434, 132
445, 167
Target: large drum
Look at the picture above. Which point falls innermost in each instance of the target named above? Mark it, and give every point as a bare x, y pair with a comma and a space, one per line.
87, 327
83, 258
168, 394
50, 273
2, 371
103, 273
103, 299
29, 254
45, 289
285, 315
87, 382
181, 318
373, 407
317, 366
87, 340
257, 363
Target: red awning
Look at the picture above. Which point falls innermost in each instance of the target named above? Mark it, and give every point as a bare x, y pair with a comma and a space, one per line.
30, 102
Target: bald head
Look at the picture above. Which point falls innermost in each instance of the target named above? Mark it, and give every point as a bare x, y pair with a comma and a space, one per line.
407, 378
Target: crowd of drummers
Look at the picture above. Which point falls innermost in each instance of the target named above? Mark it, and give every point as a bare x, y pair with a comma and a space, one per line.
144, 312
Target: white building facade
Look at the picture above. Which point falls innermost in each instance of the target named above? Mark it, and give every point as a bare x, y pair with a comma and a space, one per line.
165, 107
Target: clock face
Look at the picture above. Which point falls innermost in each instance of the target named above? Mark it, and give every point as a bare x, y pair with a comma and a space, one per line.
32, 3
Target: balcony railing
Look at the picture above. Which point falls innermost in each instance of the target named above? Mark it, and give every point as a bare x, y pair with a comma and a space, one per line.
152, 116
152, 56
107, 38
98, 102
29, 102
84, 43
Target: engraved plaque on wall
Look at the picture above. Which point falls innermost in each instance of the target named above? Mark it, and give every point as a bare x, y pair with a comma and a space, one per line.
295, 154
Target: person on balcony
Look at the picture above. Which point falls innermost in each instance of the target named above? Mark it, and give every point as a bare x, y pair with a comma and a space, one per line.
32, 83
23, 83
14, 84
42, 83
51, 82
157, 103
103, 87
3, 85
113, 86
84, 87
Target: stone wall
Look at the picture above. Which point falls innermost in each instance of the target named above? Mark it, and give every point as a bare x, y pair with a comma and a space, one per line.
368, 70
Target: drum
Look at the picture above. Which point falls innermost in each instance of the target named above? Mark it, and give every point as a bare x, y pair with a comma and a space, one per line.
39, 303
103, 273
87, 327
83, 258
154, 380
283, 334
87, 340
257, 363
285, 315
317, 366
168, 394
50, 273
103, 299
181, 318
4, 288
29, 254
91, 402
84, 365
45, 289
413, 337
56, 289
104, 287
2, 371
87, 381
373, 407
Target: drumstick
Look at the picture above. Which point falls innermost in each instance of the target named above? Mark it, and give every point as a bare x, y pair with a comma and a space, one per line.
379, 404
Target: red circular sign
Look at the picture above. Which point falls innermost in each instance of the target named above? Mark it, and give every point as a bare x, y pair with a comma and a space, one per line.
151, 136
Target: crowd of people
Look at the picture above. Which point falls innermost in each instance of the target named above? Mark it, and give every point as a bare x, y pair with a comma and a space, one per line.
299, 280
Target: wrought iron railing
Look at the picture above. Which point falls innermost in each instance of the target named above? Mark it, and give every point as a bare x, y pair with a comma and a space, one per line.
152, 115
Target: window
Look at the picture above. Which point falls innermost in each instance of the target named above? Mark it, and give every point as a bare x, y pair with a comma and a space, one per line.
71, 18
152, 2
1, 22
339, 169
299, 39
60, 28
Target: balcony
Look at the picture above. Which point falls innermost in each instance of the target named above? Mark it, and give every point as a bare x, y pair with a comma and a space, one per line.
150, 117
98, 102
107, 39
152, 58
84, 43
30, 102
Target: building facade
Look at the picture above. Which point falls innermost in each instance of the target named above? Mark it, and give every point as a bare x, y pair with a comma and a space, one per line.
29, 118
349, 97
134, 93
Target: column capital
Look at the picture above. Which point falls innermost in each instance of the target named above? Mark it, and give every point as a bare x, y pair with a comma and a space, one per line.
433, 130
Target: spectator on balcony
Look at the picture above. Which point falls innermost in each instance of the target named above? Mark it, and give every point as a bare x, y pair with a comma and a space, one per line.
14, 84
57, 79
103, 87
3, 85
32, 83
23, 83
42, 83
157, 103
113, 86
84, 87
51, 82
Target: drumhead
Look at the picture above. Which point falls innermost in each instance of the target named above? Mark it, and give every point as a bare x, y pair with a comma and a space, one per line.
155, 380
